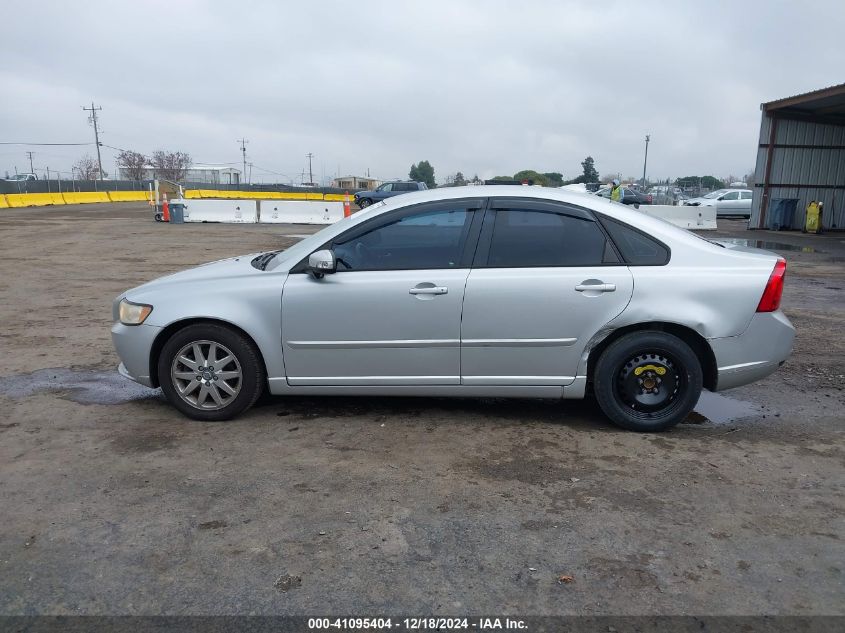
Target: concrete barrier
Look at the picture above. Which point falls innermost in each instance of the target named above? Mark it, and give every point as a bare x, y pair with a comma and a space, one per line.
299, 212
85, 197
230, 211
3, 203
703, 218
17, 200
129, 196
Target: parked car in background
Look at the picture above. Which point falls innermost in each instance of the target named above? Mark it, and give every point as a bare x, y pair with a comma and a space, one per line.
389, 189
22, 177
728, 202
632, 196
505, 291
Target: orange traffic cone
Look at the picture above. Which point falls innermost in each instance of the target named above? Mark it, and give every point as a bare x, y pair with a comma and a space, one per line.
347, 210
165, 210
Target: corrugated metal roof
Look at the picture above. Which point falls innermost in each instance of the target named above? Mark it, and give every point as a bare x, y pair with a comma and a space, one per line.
810, 101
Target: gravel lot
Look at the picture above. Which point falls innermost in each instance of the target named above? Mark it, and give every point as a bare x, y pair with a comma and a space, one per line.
112, 503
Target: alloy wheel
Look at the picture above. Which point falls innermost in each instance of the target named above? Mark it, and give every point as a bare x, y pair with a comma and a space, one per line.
206, 375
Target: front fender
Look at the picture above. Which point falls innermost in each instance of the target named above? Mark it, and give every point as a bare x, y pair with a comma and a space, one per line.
253, 305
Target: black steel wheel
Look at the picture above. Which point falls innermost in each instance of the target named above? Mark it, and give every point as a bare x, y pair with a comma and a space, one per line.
647, 381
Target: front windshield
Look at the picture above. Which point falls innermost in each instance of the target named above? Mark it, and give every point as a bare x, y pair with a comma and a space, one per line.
715, 194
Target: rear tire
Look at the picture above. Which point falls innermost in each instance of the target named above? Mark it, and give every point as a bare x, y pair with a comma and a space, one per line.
210, 372
647, 381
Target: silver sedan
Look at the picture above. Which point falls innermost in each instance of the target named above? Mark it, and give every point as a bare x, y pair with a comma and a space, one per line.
469, 291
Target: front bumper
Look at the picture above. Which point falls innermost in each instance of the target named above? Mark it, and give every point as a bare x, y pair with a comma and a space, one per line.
754, 354
134, 344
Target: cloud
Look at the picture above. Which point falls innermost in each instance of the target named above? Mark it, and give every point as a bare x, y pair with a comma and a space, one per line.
481, 87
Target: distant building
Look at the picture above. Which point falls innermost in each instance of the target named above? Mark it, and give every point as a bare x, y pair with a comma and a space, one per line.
355, 182
210, 174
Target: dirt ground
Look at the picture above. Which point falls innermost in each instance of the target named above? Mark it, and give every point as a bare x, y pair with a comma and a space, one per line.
112, 503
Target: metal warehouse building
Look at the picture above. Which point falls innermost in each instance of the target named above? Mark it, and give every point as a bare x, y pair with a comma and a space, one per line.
801, 155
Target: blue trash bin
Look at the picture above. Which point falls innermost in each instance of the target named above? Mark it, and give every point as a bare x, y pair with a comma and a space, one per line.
782, 213
177, 213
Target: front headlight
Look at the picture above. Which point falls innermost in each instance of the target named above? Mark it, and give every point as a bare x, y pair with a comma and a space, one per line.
133, 313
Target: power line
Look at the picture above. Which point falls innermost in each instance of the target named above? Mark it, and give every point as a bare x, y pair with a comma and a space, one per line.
15, 143
93, 110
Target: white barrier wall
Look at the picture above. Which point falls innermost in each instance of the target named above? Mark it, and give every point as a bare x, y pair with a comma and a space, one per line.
300, 211
236, 211
703, 218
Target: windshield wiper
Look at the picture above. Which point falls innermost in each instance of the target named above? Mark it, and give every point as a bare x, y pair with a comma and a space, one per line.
262, 260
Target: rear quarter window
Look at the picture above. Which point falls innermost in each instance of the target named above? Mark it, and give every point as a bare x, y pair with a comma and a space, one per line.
637, 248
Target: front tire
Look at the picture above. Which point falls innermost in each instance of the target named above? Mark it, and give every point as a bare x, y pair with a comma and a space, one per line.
365, 203
647, 381
210, 372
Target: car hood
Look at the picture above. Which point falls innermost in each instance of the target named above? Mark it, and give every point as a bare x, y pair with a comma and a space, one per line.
228, 269
700, 202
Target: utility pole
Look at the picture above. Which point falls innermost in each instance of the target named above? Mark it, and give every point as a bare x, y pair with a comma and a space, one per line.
310, 172
645, 162
243, 143
31, 168
93, 118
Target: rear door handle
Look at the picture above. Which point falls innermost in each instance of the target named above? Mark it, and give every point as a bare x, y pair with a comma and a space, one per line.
596, 287
429, 290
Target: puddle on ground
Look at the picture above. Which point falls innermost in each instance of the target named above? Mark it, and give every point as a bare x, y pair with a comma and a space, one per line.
771, 246
718, 409
109, 387
82, 386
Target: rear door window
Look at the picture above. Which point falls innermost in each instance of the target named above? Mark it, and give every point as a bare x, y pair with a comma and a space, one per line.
523, 238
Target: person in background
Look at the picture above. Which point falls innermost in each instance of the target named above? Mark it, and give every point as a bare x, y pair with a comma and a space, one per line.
617, 193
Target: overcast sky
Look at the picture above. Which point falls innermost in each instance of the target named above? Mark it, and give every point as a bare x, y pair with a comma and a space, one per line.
481, 87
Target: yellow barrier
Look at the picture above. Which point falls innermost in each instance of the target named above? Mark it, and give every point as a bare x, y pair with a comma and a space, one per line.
85, 197
16, 200
129, 196
3, 203
337, 197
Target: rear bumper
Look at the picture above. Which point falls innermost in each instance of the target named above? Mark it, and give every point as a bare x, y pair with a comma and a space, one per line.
133, 344
756, 353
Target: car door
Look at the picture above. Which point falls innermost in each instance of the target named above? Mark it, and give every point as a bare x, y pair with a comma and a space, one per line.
391, 314
728, 204
544, 280
384, 191
745, 202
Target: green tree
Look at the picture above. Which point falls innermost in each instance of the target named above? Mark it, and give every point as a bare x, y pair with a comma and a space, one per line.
704, 182
532, 176
423, 172
555, 179
590, 173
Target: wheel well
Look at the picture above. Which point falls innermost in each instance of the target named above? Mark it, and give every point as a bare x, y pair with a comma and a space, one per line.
697, 343
170, 330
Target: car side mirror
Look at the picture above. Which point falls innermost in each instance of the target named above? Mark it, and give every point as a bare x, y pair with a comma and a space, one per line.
322, 263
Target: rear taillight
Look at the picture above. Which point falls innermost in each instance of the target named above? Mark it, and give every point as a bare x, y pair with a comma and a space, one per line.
770, 301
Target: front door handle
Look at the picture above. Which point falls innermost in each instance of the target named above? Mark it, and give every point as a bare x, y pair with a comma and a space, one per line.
429, 290
596, 287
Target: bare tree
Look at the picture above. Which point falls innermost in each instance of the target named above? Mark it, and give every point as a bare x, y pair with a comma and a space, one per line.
87, 168
133, 164
171, 166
